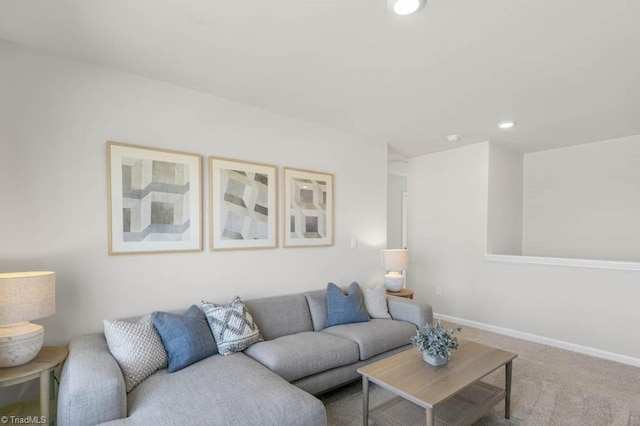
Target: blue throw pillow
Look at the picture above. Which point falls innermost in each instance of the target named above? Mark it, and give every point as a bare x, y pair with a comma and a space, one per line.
345, 308
187, 338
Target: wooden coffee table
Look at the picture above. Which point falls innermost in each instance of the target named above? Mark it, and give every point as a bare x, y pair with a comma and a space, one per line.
451, 394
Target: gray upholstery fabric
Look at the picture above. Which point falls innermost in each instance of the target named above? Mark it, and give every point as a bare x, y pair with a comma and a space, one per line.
300, 355
225, 390
317, 301
404, 309
92, 388
330, 379
232, 390
376, 336
281, 315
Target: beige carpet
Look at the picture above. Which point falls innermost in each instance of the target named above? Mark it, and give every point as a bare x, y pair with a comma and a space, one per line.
550, 387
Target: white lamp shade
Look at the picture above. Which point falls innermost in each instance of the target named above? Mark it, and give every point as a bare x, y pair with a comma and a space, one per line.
395, 260
26, 296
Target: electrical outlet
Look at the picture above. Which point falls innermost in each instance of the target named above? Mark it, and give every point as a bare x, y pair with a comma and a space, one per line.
438, 291
354, 243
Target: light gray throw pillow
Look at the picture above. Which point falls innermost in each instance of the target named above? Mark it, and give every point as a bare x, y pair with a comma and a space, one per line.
232, 326
375, 300
137, 348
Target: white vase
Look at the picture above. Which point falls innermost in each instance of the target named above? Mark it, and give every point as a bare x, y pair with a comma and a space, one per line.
436, 361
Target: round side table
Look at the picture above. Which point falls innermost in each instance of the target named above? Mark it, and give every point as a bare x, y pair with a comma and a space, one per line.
42, 367
405, 292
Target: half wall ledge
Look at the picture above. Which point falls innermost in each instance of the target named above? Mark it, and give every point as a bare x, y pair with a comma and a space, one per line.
560, 261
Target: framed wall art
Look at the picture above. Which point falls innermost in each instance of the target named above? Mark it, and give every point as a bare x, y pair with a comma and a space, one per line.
154, 199
308, 208
242, 205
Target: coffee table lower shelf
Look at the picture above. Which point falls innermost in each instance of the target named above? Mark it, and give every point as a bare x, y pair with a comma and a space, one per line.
464, 408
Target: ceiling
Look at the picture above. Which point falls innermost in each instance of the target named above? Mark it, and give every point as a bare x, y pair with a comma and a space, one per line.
567, 71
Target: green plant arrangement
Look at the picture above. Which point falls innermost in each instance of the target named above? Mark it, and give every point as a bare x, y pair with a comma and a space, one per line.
436, 342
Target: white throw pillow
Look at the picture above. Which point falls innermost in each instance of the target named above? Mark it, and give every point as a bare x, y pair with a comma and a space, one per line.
137, 348
375, 300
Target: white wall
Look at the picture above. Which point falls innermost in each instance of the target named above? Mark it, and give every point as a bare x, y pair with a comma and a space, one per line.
448, 222
595, 308
504, 235
56, 115
396, 185
584, 201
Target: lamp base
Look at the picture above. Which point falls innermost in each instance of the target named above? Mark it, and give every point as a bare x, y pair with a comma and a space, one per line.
19, 343
393, 281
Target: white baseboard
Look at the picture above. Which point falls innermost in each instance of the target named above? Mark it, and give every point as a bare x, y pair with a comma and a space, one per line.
624, 359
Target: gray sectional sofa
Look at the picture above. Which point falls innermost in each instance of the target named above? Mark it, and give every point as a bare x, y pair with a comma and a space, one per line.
270, 383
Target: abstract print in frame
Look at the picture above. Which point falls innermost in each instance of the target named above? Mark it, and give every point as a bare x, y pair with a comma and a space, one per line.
154, 198
308, 208
242, 205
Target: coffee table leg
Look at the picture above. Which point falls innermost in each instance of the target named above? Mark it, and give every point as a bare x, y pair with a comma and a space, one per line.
430, 421
507, 389
365, 401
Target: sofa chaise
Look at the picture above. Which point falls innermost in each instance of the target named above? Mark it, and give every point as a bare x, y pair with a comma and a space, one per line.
273, 382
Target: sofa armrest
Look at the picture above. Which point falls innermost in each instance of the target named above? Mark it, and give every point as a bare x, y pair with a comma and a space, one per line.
404, 309
92, 387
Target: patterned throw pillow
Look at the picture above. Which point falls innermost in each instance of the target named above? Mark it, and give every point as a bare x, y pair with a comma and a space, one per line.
232, 326
187, 338
345, 308
375, 300
137, 348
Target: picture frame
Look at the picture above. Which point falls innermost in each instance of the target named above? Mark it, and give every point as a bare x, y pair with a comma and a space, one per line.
242, 205
154, 200
308, 208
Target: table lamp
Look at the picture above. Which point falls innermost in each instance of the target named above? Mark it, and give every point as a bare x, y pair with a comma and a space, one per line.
395, 262
24, 296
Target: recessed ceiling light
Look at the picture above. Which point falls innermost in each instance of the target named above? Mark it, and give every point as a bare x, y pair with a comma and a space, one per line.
453, 138
405, 7
506, 124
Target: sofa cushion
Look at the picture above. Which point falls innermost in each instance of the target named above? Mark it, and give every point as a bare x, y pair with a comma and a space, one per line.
232, 326
375, 300
219, 390
299, 355
281, 315
330, 379
317, 301
376, 336
187, 338
137, 348
345, 308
